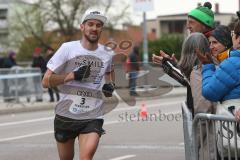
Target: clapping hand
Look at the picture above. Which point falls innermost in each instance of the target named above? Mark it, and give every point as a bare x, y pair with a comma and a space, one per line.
204, 58
158, 58
237, 114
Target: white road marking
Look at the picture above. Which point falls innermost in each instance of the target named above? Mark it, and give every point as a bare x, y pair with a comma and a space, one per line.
119, 109
50, 118
148, 106
43, 133
123, 157
144, 147
50, 132
26, 136
25, 121
181, 144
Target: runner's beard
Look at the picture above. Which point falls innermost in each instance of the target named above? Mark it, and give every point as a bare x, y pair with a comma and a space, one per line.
92, 40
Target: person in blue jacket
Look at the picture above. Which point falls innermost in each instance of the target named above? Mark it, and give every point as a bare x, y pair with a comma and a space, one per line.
222, 83
236, 52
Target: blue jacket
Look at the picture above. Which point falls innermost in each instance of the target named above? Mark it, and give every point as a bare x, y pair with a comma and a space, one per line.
222, 83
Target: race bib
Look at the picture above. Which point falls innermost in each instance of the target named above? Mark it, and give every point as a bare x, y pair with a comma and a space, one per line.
83, 104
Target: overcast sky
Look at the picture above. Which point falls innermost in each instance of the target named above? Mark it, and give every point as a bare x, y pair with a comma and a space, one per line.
165, 7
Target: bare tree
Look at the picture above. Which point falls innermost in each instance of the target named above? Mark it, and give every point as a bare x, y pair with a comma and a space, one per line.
232, 22
117, 14
117, 11
62, 16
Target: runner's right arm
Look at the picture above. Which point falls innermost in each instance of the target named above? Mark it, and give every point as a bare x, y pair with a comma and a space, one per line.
51, 79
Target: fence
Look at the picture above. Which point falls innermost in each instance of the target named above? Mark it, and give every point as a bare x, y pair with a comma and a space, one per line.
209, 136
19, 82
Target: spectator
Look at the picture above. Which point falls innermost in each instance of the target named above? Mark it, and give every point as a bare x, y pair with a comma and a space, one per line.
51, 91
191, 67
9, 62
2, 59
38, 62
221, 84
220, 43
200, 19
133, 64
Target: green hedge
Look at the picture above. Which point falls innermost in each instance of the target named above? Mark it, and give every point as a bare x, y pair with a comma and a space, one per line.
171, 43
26, 49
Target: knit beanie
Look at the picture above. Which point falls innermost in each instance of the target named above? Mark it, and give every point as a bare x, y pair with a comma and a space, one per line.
203, 14
223, 35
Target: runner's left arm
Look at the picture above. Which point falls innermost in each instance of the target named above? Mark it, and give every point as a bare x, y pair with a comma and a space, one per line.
110, 77
109, 86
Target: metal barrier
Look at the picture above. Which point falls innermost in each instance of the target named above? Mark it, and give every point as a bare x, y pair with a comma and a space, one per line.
210, 136
187, 131
19, 82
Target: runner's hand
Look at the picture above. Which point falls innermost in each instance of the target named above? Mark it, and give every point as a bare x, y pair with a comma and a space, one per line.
82, 72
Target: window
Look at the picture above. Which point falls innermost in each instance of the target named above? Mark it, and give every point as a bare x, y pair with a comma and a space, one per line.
153, 30
3, 13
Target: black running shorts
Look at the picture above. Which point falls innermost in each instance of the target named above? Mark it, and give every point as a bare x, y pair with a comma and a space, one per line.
67, 128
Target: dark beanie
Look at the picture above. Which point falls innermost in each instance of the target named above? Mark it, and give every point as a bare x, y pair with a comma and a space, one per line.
223, 35
203, 14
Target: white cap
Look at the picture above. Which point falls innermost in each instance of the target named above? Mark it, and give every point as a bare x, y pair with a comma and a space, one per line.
94, 14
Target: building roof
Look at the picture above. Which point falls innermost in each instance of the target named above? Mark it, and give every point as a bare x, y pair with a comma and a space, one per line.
185, 14
174, 15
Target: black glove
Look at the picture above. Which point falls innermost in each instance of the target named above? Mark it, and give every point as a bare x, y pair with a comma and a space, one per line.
108, 89
82, 72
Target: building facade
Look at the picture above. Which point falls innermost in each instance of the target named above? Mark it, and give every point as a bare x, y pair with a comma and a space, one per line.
7, 8
176, 24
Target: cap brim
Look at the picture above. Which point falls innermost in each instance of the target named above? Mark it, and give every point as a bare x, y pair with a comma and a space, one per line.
97, 17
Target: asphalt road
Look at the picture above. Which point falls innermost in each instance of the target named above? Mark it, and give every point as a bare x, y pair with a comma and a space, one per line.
29, 136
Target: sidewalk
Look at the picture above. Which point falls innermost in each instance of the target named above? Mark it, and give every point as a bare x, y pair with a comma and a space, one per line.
24, 106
